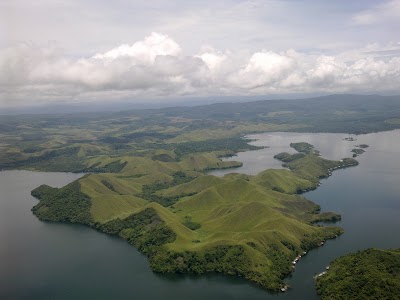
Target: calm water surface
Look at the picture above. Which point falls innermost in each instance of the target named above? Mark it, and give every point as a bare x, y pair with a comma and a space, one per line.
63, 261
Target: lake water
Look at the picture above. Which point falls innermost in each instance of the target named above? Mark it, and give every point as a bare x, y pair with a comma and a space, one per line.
64, 261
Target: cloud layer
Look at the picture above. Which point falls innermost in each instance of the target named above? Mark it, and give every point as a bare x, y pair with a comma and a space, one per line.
383, 12
157, 67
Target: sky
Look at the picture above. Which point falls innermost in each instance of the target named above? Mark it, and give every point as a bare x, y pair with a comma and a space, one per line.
72, 51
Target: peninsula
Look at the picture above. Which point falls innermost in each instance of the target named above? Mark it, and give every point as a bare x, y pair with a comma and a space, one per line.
146, 179
186, 221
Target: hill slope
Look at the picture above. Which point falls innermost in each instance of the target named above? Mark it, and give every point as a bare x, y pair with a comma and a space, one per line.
186, 221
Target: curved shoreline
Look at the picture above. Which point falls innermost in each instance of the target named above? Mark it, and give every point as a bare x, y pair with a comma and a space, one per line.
150, 228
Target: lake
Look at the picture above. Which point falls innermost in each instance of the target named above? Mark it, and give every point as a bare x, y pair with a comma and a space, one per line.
64, 261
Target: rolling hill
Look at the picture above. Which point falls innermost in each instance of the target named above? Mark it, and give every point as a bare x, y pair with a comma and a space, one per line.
189, 222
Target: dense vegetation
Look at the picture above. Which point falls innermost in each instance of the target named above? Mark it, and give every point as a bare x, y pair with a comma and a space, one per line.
230, 145
286, 157
145, 230
67, 204
149, 190
303, 147
368, 274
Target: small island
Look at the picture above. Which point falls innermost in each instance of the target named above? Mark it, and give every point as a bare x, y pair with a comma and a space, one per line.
303, 147
363, 146
357, 151
368, 274
350, 139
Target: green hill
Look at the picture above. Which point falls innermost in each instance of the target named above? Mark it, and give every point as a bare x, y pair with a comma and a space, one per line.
186, 221
283, 181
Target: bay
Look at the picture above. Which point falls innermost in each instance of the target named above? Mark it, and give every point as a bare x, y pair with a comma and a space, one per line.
65, 261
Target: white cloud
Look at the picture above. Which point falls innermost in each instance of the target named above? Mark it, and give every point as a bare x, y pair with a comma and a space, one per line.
158, 67
212, 58
264, 68
146, 50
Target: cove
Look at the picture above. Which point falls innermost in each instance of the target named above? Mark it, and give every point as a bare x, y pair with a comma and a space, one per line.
366, 196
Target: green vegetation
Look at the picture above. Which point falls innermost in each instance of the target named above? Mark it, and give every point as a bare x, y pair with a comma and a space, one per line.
313, 167
286, 157
234, 144
327, 217
148, 186
149, 191
303, 147
66, 142
283, 181
112, 167
67, 204
145, 230
357, 151
368, 274
65, 159
189, 222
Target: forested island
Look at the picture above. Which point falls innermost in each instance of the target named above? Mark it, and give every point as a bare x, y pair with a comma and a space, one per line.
368, 274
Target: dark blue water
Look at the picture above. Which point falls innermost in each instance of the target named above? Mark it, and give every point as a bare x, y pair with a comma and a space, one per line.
64, 261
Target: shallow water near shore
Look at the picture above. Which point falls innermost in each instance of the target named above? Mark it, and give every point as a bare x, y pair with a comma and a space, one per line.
64, 261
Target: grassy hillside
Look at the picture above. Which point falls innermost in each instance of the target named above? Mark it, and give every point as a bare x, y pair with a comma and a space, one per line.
283, 181
308, 165
368, 274
189, 222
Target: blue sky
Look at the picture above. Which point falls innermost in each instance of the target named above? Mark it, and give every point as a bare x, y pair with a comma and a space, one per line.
56, 50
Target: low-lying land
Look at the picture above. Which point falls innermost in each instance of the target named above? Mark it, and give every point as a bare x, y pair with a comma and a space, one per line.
363, 146
357, 151
186, 221
368, 274
63, 142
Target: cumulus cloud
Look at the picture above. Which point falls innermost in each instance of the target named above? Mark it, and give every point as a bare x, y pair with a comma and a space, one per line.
147, 50
264, 69
158, 66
